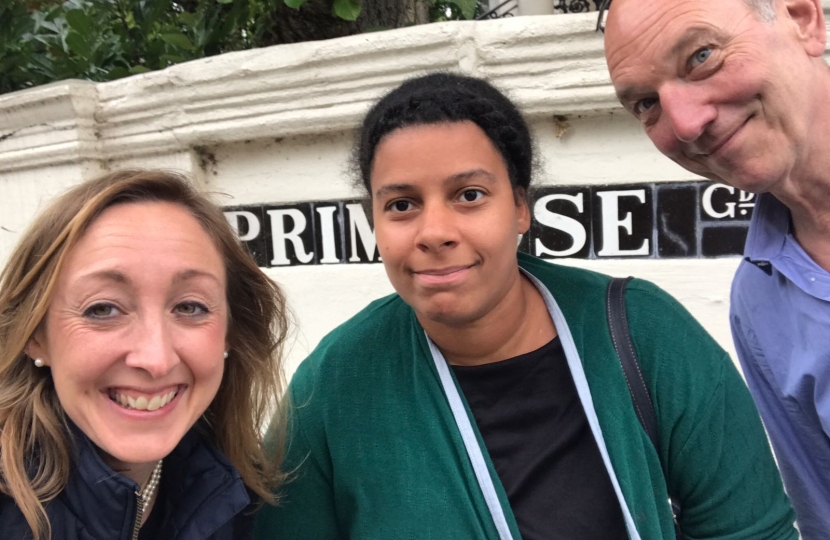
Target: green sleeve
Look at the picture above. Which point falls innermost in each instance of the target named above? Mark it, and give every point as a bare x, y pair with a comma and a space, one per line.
305, 509
730, 485
714, 451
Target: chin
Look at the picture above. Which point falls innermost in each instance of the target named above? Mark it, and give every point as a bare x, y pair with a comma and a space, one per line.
142, 450
753, 181
449, 315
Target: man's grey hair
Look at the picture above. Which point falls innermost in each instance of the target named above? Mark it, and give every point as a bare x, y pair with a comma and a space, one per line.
764, 8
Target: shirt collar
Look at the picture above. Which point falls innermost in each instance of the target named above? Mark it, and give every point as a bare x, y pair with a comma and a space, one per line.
770, 243
768, 229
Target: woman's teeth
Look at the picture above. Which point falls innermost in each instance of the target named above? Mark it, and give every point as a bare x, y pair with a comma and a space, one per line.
142, 403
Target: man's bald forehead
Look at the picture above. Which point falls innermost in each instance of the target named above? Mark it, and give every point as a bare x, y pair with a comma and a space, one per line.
765, 9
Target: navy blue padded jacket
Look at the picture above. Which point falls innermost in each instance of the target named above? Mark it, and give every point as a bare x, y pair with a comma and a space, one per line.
203, 498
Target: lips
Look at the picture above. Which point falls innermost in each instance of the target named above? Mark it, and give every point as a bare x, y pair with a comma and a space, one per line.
442, 276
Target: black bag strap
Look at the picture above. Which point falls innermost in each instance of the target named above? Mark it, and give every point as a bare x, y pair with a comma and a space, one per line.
621, 337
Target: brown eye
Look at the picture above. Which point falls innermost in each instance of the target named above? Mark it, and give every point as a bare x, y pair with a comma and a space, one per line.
401, 205
191, 308
100, 311
471, 195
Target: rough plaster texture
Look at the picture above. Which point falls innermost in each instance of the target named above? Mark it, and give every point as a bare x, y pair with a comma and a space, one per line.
275, 125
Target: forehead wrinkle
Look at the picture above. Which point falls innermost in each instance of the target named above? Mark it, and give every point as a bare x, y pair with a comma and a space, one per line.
640, 31
692, 35
618, 18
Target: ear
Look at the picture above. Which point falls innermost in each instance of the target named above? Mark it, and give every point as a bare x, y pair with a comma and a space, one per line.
35, 348
522, 211
808, 17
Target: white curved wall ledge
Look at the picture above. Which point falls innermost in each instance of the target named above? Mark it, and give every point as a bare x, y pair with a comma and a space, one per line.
549, 64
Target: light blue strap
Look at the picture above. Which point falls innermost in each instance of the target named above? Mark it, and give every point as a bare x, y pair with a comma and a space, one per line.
584, 391
471, 443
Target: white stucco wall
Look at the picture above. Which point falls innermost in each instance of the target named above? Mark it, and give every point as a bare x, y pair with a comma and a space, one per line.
275, 125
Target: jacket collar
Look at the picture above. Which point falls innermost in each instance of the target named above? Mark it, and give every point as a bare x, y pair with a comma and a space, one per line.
201, 488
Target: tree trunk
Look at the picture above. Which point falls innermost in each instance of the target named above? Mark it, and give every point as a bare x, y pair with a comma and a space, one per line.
315, 20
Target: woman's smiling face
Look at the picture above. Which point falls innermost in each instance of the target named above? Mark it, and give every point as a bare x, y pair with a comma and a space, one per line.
136, 329
446, 220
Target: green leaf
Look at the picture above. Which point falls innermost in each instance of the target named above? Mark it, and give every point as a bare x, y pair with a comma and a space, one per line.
44, 64
225, 1
135, 70
294, 3
467, 7
187, 18
78, 45
80, 22
117, 72
172, 59
348, 10
178, 40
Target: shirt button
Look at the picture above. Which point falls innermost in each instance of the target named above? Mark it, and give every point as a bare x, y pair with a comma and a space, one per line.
812, 279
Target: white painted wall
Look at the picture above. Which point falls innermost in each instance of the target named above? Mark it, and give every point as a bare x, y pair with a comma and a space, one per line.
275, 125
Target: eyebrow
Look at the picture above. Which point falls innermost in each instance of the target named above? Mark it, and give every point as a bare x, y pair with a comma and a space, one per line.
690, 35
629, 94
120, 278
186, 275
452, 179
106, 275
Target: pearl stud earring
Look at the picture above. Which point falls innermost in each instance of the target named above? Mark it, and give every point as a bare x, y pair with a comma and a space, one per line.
226, 355
39, 362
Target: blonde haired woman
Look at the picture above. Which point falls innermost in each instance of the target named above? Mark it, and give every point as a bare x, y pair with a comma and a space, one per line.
139, 351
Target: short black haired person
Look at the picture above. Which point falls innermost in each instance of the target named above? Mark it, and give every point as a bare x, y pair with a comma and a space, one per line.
485, 400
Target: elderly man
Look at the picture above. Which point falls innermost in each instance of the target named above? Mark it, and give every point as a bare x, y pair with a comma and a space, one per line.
737, 91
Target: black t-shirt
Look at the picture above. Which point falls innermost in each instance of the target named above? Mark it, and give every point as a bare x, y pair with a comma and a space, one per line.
537, 434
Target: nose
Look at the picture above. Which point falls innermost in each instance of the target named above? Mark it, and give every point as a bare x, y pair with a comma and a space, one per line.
687, 109
436, 228
153, 347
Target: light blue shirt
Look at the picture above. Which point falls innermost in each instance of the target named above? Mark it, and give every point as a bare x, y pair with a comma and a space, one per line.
780, 318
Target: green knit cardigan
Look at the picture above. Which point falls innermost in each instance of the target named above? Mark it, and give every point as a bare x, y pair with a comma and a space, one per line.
374, 451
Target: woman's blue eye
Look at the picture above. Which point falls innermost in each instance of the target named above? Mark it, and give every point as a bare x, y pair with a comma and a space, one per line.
472, 195
701, 55
100, 311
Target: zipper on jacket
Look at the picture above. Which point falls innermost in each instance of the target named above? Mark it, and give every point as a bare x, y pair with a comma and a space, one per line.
139, 513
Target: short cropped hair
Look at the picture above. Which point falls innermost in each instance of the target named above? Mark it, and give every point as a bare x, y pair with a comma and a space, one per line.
439, 98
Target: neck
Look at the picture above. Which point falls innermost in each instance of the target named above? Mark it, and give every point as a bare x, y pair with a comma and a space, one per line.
807, 195
140, 473
811, 228
137, 472
519, 324
806, 191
